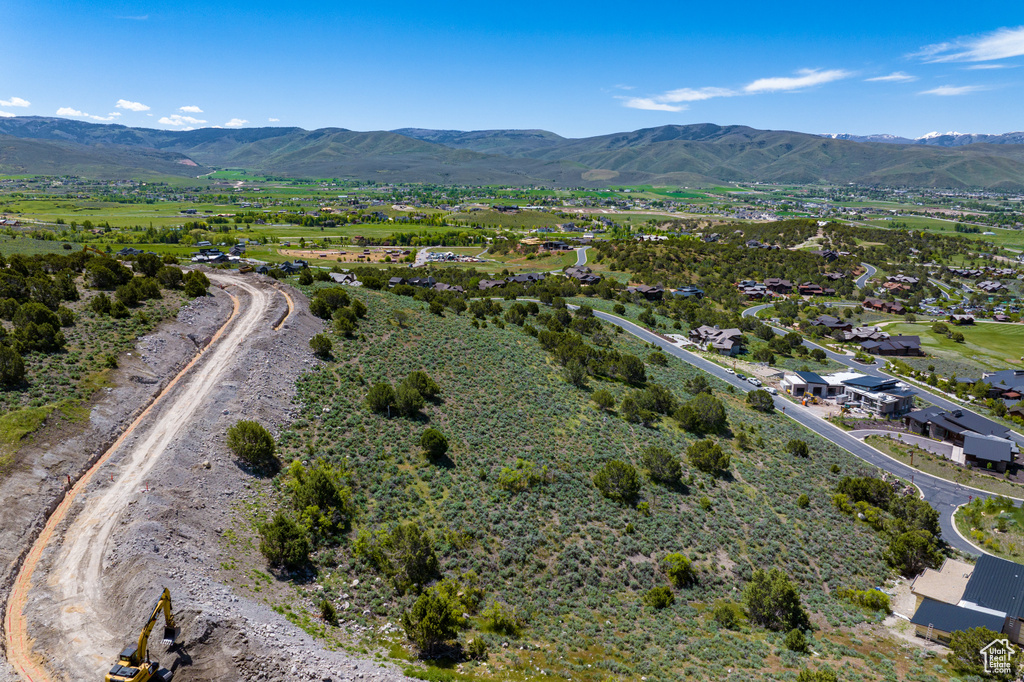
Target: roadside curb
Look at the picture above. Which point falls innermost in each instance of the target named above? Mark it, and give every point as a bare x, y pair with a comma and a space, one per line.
953, 517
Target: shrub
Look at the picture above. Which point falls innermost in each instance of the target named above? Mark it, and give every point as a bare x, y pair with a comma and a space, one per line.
662, 465
100, 304
252, 444
773, 602
618, 481
797, 448
795, 641
818, 355
327, 610
603, 399
912, 552
321, 345
659, 598
679, 569
803, 501
305, 278
619, 309
320, 496
170, 277
521, 476
704, 413
822, 675
12, 367
408, 400
658, 358
283, 542
502, 618
728, 614
434, 618
380, 397
404, 553
196, 284
869, 599
434, 444
708, 456
761, 400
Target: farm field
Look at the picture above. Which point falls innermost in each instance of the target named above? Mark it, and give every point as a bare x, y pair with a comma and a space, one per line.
569, 563
987, 345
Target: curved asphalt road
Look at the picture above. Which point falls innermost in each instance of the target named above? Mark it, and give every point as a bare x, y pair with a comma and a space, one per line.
863, 279
581, 256
944, 495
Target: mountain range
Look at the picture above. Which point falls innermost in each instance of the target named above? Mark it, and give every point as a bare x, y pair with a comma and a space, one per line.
671, 155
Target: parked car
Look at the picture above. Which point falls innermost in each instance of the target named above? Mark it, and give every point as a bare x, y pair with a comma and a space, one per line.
772, 390
740, 376
730, 370
754, 380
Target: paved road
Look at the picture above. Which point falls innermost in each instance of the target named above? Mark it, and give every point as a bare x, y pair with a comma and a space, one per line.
581, 256
940, 448
945, 496
940, 286
863, 279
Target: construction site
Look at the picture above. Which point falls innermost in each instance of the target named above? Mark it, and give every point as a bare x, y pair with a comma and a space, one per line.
105, 517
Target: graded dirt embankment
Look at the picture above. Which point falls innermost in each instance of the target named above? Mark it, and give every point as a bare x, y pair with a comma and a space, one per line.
96, 568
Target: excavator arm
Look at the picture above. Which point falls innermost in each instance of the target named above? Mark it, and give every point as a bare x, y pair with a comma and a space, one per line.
133, 663
170, 632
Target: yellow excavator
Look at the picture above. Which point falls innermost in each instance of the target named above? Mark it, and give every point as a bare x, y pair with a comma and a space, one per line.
133, 664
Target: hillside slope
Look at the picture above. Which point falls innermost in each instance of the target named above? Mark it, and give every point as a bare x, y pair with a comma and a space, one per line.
674, 154
572, 564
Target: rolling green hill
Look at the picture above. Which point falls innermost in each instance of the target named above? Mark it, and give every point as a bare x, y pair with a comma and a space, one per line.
690, 154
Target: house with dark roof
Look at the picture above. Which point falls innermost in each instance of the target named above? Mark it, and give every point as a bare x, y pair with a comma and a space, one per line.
993, 598
689, 291
583, 275
935, 422
893, 307
990, 452
870, 333
884, 397
961, 319
812, 289
721, 341
828, 254
778, 286
525, 278
1007, 384
395, 281
831, 323
894, 345
651, 293
486, 284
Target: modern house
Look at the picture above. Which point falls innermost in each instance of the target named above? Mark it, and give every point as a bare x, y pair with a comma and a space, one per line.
953, 599
976, 441
799, 384
1007, 384
831, 323
778, 286
894, 345
650, 293
689, 291
583, 275
860, 334
961, 319
722, 341
881, 396
754, 291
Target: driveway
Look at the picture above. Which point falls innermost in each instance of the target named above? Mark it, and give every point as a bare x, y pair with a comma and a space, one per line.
933, 446
863, 279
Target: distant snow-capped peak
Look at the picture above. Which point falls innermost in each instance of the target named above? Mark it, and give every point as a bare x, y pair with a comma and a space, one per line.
933, 134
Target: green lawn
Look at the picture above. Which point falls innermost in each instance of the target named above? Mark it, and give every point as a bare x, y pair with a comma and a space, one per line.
995, 346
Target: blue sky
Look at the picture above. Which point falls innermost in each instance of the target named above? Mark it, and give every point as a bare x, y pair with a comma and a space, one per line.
576, 69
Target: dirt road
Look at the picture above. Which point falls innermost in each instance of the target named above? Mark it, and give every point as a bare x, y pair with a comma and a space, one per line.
79, 551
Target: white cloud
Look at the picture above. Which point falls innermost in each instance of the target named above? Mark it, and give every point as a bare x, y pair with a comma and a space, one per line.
670, 101
14, 102
235, 123
807, 78
273, 120
68, 111
131, 106
190, 109
951, 90
692, 95
6, 114
986, 67
1002, 43
650, 104
179, 120
894, 77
